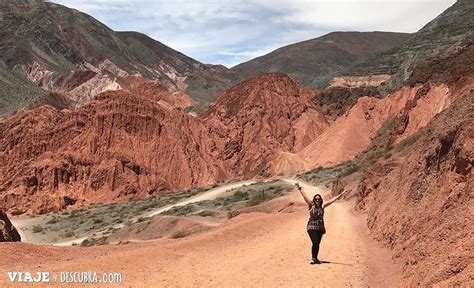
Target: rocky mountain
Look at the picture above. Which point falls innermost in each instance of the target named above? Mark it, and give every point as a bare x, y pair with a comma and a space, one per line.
314, 62
435, 196
386, 72
417, 195
416, 178
8, 232
68, 52
117, 147
451, 30
263, 122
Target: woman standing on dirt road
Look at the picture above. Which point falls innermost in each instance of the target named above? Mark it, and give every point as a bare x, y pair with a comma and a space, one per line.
315, 225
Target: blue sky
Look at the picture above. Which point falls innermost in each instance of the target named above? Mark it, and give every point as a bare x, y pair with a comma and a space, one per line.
229, 32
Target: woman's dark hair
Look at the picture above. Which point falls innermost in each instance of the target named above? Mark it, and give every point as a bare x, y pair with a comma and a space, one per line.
314, 199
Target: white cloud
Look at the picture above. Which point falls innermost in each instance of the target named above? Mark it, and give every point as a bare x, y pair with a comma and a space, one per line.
229, 31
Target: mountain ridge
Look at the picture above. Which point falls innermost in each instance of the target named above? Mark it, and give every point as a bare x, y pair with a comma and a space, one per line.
336, 50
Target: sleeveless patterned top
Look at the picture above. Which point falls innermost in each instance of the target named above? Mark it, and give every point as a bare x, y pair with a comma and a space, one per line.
316, 219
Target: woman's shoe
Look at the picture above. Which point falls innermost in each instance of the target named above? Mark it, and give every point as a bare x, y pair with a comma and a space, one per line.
313, 261
316, 261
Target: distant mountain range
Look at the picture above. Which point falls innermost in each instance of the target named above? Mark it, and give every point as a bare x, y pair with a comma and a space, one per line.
72, 57
50, 44
315, 62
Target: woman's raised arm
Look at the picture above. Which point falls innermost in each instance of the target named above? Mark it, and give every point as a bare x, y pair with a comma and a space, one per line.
326, 204
306, 199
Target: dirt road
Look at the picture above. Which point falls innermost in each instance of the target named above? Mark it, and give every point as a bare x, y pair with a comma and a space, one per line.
254, 249
25, 224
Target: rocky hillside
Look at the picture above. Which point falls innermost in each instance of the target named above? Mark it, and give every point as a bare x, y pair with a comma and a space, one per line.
117, 147
426, 217
416, 179
263, 122
314, 62
452, 29
386, 72
8, 232
65, 51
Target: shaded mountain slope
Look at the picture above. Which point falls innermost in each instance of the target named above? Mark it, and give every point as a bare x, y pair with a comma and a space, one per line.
388, 71
452, 29
15, 92
60, 49
314, 62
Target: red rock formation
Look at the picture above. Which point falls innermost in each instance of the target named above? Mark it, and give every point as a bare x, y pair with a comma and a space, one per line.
8, 232
117, 147
263, 122
156, 90
419, 202
353, 132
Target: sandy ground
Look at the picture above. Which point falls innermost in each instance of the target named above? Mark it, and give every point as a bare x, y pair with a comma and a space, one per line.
254, 249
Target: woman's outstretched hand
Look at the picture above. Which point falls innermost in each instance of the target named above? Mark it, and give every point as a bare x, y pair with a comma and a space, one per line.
326, 204
303, 194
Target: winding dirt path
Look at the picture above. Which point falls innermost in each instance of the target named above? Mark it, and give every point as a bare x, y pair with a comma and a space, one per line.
254, 249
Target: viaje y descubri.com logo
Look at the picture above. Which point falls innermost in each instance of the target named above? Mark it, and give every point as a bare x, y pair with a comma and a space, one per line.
72, 277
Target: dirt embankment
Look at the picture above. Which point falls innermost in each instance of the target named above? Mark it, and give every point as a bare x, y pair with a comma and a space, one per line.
419, 200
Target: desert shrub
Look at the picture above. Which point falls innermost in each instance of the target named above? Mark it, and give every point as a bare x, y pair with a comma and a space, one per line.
53, 220
206, 213
232, 214
37, 229
74, 214
180, 234
255, 200
408, 142
240, 195
93, 241
69, 234
97, 221
142, 219
148, 206
111, 207
349, 170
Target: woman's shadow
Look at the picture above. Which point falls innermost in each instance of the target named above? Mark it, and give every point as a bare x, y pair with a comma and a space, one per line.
333, 262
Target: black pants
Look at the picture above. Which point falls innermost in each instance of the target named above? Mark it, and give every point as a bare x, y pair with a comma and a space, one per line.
315, 236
